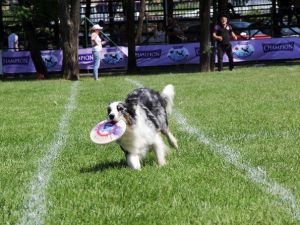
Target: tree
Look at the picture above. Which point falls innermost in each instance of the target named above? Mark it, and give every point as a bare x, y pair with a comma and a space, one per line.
140, 21
69, 15
170, 8
205, 35
131, 37
32, 14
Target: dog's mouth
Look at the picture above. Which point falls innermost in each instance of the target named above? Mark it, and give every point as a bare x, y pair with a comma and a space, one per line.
114, 118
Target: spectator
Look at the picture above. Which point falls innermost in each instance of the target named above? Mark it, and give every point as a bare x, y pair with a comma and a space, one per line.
96, 48
159, 35
285, 9
222, 34
13, 41
174, 32
296, 4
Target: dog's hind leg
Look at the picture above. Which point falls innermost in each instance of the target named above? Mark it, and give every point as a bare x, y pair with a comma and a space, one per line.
160, 150
171, 139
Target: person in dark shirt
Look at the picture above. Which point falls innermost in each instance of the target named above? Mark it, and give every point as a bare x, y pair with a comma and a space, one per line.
222, 34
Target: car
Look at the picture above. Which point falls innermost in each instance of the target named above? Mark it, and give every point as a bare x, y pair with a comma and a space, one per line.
247, 30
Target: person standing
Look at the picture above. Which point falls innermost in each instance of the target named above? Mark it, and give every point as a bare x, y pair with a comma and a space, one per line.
222, 34
96, 48
13, 41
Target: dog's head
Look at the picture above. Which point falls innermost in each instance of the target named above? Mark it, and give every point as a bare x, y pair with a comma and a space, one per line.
116, 111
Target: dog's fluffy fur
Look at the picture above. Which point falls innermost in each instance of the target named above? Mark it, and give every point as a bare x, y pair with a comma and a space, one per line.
145, 113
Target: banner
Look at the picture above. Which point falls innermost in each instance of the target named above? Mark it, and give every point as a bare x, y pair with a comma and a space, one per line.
266, 49
1, 71
116, 57
156, 55
163, 55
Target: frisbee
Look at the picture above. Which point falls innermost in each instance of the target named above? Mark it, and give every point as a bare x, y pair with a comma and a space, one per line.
107, 131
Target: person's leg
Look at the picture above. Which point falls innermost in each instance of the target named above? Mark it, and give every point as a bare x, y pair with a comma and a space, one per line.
96, 64
230, 57
220, 54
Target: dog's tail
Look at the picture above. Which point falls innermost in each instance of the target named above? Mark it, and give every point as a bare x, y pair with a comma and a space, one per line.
168, 94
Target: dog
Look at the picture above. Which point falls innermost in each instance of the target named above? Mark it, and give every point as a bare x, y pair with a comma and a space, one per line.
145, 113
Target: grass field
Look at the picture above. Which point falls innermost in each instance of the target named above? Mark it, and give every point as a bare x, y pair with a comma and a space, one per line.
238, 160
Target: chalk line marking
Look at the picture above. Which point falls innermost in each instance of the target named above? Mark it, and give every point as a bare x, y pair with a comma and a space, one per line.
256, 175
262, 135
34, 207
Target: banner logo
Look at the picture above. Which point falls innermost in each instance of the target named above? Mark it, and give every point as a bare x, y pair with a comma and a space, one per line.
23, 60
178, 54
113, 57
50, 60
87, 58
243, 50
148, 54
289, 46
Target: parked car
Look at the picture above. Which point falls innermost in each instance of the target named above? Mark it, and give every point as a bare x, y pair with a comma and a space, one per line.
247, 30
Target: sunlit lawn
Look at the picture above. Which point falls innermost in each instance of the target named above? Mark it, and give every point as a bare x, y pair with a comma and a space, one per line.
254, 111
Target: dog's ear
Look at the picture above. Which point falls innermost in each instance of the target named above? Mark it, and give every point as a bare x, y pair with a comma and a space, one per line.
121, 107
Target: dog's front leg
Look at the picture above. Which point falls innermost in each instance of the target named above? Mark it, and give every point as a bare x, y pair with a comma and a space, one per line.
133, 161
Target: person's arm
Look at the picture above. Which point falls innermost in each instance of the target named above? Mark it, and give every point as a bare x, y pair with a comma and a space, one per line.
217, 37
233, 36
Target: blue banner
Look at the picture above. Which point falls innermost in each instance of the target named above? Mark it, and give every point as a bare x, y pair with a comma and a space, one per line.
156, 55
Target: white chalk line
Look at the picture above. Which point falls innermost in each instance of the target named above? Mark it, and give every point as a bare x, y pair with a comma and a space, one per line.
256, 175
35, 205
262, 135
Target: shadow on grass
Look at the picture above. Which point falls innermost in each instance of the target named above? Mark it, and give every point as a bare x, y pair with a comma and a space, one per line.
103, 166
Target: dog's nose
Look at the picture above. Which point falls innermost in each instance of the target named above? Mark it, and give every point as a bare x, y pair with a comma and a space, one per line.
111, 116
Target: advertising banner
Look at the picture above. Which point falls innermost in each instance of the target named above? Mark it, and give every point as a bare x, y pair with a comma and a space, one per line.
268, 49
1, 71
156, 55
162, 55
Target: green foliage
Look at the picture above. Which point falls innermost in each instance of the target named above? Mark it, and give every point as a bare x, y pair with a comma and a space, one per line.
38, 12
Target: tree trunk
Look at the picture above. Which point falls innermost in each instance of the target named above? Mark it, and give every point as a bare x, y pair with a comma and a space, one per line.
87, 8
222, 7
140, 22
131, 35
87, 24
213, 49
69, 13
170, 8
1, 27
33, 44
34, 48
205, 35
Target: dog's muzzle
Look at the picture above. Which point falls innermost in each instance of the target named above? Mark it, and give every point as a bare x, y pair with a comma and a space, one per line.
111, 116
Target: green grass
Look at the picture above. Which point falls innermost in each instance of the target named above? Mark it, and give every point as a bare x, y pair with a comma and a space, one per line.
254, 111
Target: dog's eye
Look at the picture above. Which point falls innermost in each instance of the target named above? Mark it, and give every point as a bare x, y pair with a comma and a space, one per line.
120, 108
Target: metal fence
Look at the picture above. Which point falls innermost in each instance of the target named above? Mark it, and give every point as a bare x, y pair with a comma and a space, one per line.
253, 17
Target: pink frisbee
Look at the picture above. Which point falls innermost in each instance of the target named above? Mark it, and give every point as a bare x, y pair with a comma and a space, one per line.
107, 131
